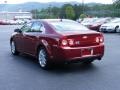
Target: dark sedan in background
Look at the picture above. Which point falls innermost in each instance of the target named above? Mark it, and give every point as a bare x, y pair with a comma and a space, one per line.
56, 40
97, 24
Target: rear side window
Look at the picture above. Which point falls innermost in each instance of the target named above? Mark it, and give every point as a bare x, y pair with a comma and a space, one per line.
37, 27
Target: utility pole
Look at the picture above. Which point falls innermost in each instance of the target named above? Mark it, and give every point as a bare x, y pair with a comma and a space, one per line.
5, 2
49, 10
83, 6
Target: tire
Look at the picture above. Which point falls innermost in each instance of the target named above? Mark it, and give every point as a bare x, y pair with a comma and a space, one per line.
116, 29
88, 61
13, 48
43, 59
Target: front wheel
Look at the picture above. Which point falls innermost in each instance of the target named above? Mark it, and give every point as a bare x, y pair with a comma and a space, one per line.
13, 48
43, 59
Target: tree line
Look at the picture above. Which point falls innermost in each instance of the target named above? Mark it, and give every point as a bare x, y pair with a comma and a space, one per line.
79, 11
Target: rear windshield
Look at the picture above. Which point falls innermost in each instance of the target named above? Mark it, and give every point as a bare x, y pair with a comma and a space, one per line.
66, 27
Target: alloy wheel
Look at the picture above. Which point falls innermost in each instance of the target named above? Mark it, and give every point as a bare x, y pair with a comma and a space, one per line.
42, 58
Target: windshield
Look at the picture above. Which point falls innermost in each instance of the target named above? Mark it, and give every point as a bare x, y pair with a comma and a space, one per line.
68, 27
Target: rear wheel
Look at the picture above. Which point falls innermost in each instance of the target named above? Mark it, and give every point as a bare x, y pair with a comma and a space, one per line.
43, 59
116, 28
13, 48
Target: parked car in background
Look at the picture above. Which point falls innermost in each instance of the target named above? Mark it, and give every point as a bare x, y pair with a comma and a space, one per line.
96, 25
11, 22
1, 22
88, 21
57, 41
79, 20
18, 21
4, 22
112, 26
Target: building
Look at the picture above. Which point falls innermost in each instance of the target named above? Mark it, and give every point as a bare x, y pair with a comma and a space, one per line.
15, 15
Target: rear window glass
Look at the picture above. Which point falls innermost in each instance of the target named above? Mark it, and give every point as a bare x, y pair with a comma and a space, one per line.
66, 27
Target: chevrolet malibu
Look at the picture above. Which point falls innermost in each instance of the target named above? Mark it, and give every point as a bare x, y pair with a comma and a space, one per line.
57, 41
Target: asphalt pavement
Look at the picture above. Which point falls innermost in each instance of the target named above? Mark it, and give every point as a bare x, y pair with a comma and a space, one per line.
24, 73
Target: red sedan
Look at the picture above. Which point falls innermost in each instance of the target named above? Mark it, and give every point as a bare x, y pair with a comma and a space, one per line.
97, 24
52, 41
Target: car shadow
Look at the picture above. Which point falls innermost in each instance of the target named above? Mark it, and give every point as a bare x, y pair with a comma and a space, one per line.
73, 68
32, 63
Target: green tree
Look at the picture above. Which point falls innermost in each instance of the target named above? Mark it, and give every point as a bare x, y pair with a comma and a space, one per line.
78, 10
55, 11
82, 16
35, 13
117, 3
62, 13
70, 14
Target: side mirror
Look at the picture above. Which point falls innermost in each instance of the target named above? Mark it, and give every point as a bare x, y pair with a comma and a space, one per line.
17, 30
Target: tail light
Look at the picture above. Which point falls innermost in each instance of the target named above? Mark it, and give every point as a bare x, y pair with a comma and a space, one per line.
99, 39
64, 42
69, 42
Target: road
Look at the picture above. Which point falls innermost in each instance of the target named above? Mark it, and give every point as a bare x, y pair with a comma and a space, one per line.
24, 73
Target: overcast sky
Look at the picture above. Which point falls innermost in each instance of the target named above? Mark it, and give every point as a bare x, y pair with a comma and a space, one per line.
44, 1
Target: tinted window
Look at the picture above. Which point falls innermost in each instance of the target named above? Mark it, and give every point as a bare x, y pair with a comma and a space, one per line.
26, 27
42, 28
36, 27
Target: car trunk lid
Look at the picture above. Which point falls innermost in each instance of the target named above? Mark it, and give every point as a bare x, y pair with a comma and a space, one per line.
84, 40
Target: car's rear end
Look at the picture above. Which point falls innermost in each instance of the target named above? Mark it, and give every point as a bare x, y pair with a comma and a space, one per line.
80, 47
77, 43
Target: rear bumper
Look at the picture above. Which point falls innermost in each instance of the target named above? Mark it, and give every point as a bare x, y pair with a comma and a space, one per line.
75, 54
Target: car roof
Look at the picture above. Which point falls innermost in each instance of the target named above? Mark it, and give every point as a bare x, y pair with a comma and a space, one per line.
56, 20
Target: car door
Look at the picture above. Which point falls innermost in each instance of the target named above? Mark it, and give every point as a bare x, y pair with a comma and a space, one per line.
25, 29
31, 38
18, 41
19, 38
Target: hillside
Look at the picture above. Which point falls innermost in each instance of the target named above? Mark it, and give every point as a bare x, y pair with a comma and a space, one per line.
35, 5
